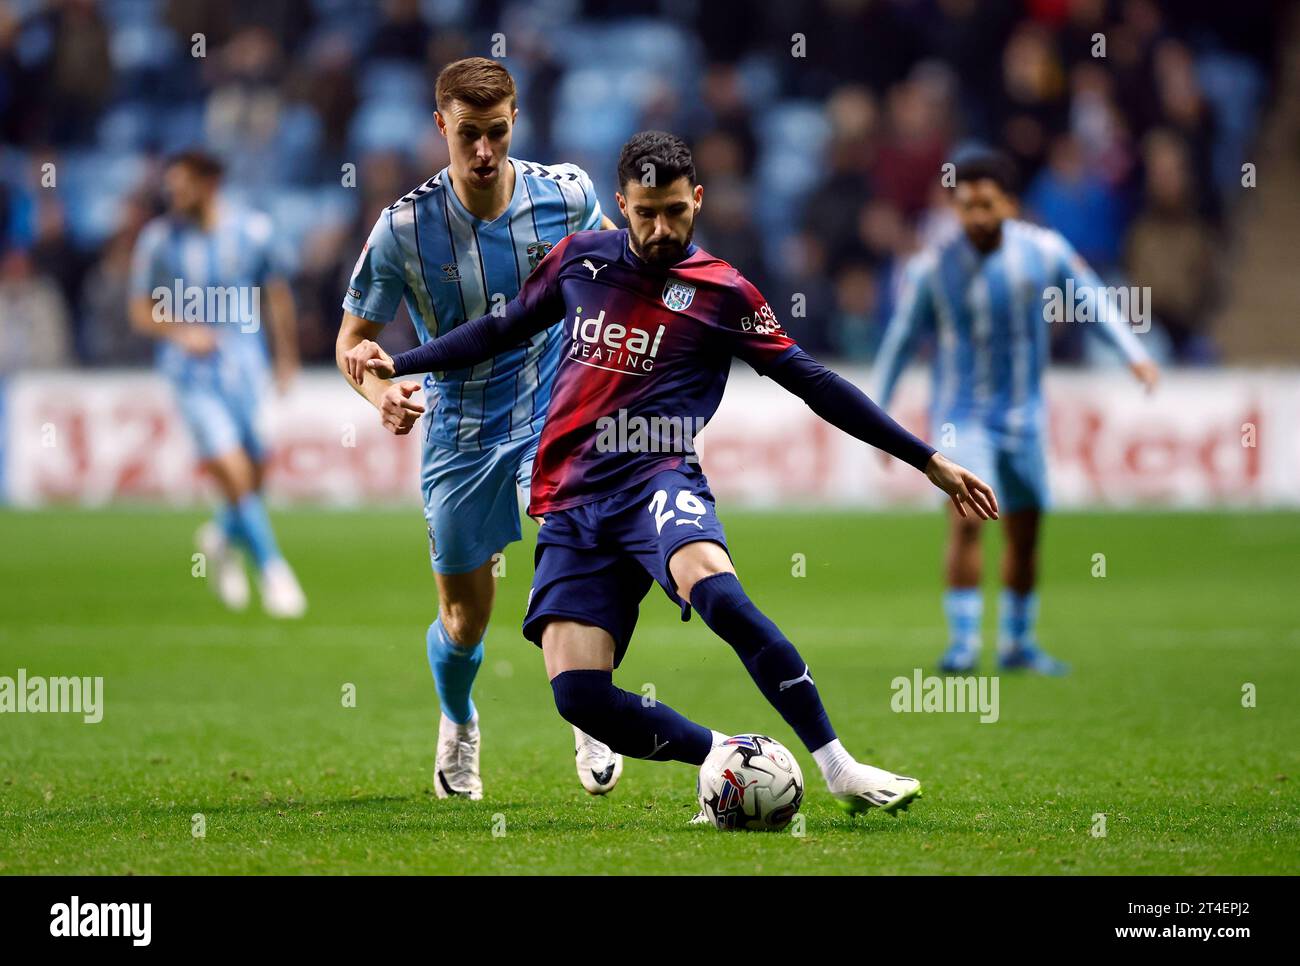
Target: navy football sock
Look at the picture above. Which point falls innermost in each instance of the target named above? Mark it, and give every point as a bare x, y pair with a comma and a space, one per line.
771, 660
629, 724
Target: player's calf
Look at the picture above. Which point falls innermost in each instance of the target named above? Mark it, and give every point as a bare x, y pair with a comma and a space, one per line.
772, 661
627, 723
787, 683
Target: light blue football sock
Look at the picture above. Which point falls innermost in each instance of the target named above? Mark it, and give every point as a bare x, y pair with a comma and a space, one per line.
255, 529
454, 669
226, 520
964, 608
1017, 615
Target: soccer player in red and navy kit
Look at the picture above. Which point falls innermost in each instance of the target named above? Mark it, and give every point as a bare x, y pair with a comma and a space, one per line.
652, 323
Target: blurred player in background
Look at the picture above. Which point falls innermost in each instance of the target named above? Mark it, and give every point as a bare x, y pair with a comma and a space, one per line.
980, 294
458, 246
197, 280
655, 324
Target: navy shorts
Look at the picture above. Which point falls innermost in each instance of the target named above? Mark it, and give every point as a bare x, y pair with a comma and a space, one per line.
596, 562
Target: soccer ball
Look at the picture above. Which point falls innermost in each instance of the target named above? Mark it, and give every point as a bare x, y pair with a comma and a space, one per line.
750, 782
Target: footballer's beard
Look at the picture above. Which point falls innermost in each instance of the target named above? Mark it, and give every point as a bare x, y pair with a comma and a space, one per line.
986, 240
189, 211
665, 251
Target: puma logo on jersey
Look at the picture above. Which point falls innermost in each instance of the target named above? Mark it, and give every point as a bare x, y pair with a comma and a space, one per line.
592, 268
696, 522
793, 681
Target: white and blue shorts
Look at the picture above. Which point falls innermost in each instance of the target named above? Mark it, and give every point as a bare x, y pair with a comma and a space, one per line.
222, 409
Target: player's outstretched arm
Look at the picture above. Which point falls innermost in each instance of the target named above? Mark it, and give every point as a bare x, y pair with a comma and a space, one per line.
539, 304
913, 317
845, 406
284, 331
465, 345
1113, 326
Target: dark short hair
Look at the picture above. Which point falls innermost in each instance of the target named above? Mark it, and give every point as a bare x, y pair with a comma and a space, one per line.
985, 164
201, 163
667, 153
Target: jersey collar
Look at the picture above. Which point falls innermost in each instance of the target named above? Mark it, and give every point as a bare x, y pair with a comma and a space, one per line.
474, 219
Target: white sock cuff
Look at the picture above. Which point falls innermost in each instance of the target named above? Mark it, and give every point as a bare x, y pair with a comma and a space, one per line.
831, 756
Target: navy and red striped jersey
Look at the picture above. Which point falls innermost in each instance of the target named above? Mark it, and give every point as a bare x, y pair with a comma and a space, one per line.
642, 342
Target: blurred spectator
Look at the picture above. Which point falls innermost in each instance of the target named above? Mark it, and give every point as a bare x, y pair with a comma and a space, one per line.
726, 228
855, 328
33, 317
832, 208
1073, 197
246, 109
915, 143
1032, 104
1171, 249
1099, 128
106, 334
820, 131
403, 34
1184, 109
81, 73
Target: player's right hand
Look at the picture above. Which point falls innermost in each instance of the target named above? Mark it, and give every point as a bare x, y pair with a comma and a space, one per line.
963, 487
397, 410
366, 356
1147, 373
195, 340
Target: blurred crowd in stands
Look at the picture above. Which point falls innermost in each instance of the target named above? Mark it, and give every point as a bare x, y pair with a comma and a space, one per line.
819, 128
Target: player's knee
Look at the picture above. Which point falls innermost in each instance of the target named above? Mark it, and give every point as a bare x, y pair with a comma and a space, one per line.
585, 698
464, 624
696, 562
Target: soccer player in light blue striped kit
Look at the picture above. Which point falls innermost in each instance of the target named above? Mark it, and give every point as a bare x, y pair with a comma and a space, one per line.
457, 247
980, 296
197, 279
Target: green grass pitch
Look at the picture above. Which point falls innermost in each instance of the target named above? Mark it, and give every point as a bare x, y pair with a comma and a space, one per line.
241, 719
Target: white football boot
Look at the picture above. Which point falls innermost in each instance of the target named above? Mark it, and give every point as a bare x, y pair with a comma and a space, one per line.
456, 770
599, 767
859, 788
282, 595
224, 567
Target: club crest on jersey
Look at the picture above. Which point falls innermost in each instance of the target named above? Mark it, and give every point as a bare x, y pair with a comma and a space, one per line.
536, 252
678, 295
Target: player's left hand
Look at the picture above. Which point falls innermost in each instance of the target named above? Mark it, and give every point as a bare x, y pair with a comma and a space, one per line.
1147, 373
366, 356
963, 487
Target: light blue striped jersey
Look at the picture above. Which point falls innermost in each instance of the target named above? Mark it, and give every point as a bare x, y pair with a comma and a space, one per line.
985, 314
451, 267
232, 260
